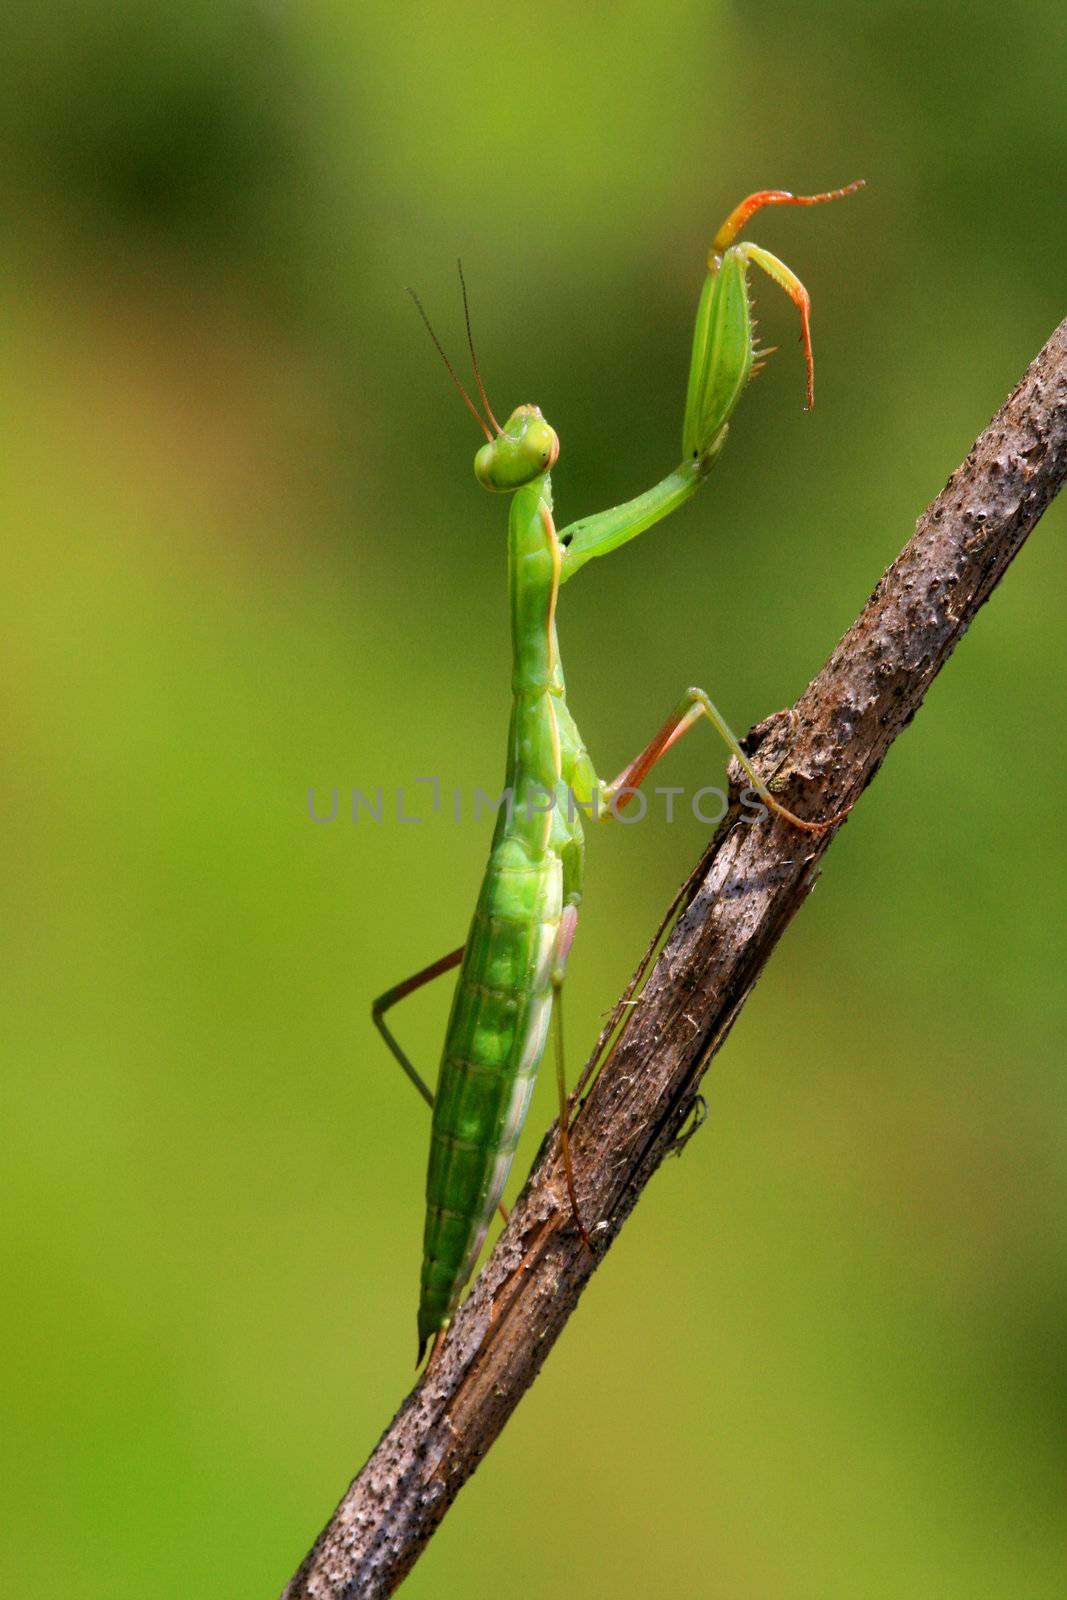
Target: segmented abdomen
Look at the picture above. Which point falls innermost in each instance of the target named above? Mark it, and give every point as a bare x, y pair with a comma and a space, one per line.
494, 1044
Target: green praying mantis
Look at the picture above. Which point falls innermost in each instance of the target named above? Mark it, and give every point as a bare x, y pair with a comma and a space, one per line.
512, 966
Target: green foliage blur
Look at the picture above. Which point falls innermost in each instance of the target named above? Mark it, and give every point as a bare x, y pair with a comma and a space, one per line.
243, 554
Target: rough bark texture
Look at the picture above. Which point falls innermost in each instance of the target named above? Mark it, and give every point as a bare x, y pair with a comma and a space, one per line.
748, 886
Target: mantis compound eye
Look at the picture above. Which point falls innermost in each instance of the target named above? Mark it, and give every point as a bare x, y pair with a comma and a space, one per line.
542, 444
483, 466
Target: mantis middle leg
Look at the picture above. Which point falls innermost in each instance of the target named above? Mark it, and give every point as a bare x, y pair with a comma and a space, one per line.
693, 705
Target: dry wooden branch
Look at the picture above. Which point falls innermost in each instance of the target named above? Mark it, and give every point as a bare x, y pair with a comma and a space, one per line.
748, 886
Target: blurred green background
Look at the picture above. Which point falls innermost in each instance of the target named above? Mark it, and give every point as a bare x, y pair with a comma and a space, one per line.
243, 553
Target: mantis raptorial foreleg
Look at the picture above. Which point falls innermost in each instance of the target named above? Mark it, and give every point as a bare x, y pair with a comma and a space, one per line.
723, 361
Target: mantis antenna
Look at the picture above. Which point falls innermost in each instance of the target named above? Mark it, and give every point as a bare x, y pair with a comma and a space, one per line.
470, 342
471, 407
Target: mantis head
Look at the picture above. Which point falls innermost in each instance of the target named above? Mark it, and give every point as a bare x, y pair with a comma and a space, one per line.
524, 449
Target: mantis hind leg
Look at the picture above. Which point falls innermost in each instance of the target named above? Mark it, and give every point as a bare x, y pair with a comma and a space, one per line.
401, 991
567, 927
693, 705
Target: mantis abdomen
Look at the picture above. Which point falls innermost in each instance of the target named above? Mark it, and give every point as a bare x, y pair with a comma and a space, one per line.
495, 1040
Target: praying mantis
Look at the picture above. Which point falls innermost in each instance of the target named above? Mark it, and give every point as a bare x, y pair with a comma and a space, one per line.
512, 965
